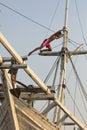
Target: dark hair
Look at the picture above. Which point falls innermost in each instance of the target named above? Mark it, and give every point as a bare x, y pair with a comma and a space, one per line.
59, 33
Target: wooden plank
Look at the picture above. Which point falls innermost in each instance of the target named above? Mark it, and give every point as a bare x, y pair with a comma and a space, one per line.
31, 114
31, 97
14, 66
9, 59
58, 53
5, 122
25, 123
9, 102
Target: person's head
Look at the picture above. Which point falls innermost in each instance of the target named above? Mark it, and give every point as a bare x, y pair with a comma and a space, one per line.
58, 35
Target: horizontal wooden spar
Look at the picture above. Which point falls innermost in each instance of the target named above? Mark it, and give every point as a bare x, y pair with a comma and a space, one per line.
31, 97
14, 66
8, 59
58, 53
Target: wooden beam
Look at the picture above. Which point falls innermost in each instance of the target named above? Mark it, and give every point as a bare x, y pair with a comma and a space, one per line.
79, 123
48, 53
58, 53
31, 97
14, 66
71, 55
9, 59
68, 123
78, 53
48, 108
62, 120
9, 101
33, 115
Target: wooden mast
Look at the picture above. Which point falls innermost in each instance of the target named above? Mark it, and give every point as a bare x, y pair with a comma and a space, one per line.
60, 94
65, 57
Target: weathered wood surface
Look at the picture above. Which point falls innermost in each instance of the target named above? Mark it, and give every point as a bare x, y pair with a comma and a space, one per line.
5, 123
8, 114
16, 115
32, 118
28, 118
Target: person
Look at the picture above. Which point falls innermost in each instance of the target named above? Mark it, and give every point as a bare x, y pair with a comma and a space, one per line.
47, 42
13, 73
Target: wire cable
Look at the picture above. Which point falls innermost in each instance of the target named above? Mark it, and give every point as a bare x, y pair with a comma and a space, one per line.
80, 23
73, 42
52, 69
82, 87
76, 105
53, 15
26, 17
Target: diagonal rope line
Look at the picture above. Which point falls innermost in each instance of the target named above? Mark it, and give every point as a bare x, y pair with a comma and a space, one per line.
26, 17
80, 23
82, 87
52, 69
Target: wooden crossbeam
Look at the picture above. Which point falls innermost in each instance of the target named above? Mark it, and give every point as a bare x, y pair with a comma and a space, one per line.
8, 59
14, 66
58, 53
31, 97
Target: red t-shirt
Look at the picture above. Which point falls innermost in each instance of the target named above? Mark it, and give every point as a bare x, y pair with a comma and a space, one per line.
46, 43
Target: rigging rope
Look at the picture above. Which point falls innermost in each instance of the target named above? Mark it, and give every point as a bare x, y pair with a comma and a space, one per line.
83, 90
52, 69
83, 101
76, 105
75, 98
53, 15
80, 23
26, 17
73, 42
56, 71
81, 97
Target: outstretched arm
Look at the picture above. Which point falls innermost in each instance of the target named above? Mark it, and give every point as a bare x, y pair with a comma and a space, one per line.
38, 48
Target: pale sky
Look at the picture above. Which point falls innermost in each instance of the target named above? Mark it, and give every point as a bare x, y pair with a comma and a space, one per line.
27, 31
